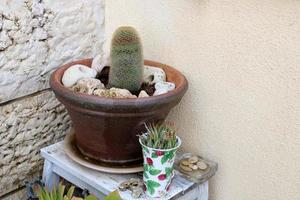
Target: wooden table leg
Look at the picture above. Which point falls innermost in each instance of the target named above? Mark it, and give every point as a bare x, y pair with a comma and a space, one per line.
198, 193
50, 178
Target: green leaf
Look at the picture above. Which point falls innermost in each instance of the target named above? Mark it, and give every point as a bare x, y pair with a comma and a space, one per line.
90, 197
52, 194
151, 190
164, 159
146, 167
40, 194
154, 172
169, 155
46, 195
152, 184
150, 187
70, 192
146, 149
153, 155
146, 175
61, 190
168, 171
113, 196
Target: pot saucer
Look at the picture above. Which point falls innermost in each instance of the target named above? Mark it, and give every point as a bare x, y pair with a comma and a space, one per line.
74, 153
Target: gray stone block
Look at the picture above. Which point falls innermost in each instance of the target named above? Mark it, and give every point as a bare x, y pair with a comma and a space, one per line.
38, 36
27, 125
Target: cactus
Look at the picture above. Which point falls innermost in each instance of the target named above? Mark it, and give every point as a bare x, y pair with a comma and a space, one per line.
127, 63
159, 136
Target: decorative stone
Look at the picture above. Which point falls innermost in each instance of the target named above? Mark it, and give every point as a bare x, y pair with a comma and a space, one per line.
185, 168
202, 165
135, 182
124, 186
5, 41
27, 125
199, 176
37, 36
87, 85
77, 72
114, 93
154, 75
136, 192
192, 163
143, 93
135, 185
185, 162
40, 34
193, 167
163, 87
100, 61
102, 93
76, 198
193, 159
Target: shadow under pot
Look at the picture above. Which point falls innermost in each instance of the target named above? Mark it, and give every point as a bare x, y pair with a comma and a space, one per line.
106, 129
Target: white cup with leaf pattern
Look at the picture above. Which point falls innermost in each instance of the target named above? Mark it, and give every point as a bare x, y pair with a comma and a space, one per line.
158, 169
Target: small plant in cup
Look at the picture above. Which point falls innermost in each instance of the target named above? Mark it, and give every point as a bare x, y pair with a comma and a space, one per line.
159, 145
159, 136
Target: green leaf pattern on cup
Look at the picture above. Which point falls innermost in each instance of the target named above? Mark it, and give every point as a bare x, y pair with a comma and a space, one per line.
153, 155
169, 171
168, 156
154, 171
145, 149
158, 170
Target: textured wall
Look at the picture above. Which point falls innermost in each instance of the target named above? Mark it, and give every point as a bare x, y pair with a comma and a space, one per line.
25, 126
242, 59
18, 195
36, 37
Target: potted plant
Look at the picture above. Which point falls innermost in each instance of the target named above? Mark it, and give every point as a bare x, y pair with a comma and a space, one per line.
105, 123
59, 193
159, 145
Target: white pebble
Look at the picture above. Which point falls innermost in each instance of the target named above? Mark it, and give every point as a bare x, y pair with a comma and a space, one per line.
163, 87
143, 94
87, 85
77, 72
100, 61
202, 165
154, 75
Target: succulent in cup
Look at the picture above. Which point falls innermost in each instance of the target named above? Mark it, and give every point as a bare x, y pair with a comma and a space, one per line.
159, 136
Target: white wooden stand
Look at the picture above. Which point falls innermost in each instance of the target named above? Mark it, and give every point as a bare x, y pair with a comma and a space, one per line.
57, 164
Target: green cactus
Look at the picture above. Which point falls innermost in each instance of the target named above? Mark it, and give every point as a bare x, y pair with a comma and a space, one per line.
159, 136
127, 63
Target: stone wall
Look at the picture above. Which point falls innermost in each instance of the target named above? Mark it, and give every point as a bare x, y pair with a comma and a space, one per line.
25, 126
36, 37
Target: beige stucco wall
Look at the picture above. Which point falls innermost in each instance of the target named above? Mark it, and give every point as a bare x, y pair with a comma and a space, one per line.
242, 59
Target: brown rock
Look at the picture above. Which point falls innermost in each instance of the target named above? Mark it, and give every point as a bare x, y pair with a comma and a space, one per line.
193, 159
185, 168
185, 162
202, 165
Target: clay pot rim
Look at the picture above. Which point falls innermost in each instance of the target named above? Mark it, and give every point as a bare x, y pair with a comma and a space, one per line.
66, 93
163, 150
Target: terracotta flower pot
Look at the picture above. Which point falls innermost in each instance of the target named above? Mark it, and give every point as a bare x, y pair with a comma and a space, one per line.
106, 129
